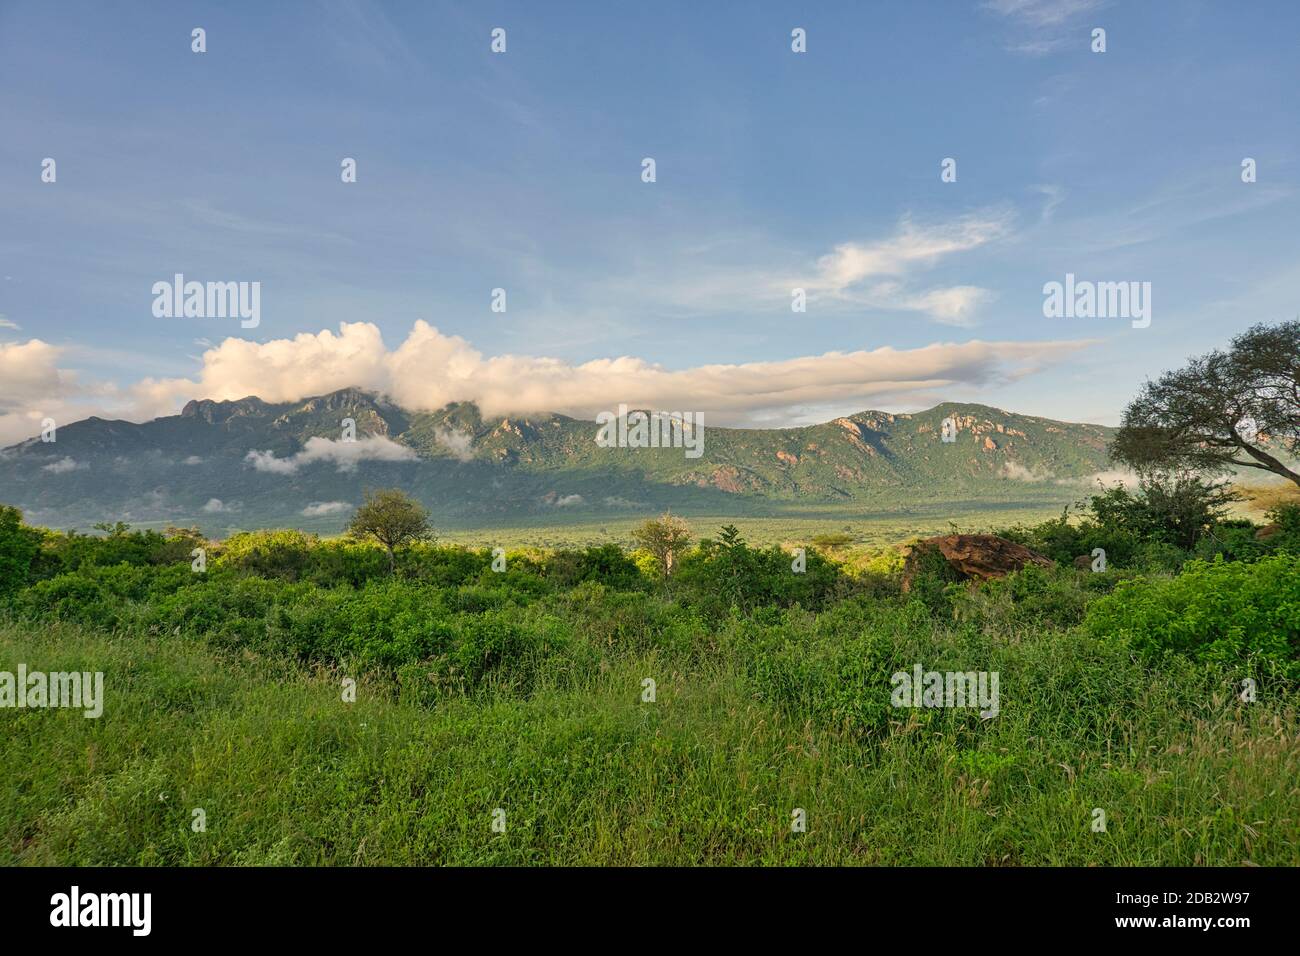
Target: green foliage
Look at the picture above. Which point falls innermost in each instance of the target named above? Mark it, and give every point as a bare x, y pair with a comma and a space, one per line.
97, 594
1225, 612
1284, 522
1224, 410
832, 541
727, 572
607, 563
836, 673
934, 581
392, 518
1158, 526
62, 553
18, 547
479, 689
282, 553
664, 538
1031, 597
1171, 509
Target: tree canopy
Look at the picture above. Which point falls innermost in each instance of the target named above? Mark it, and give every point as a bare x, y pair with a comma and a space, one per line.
664, 538
1224, 410
392, 518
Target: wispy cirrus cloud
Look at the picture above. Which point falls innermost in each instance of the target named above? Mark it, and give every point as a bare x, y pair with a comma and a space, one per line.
1040, 27
883, 274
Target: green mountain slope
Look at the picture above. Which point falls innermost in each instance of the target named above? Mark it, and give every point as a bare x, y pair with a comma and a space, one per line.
250, 463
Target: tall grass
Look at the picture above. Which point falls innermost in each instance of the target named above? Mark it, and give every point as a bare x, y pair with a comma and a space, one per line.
587, 773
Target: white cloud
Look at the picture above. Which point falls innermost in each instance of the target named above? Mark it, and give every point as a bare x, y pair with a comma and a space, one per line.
214, 505
429, 369
318, 508
1055, 195
266, 461
64, 465
193, 460
568, 501
344, 454
1018, 472
871, 275
1042, 13
878, 274
6, 324
32, 388
1041, 27
850, 263
458, 444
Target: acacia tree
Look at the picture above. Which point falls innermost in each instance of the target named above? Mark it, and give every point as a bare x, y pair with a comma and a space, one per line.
392, 518
1224, 410
664, 538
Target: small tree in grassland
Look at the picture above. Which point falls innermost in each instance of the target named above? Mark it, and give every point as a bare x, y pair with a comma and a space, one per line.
392, 518
664, 537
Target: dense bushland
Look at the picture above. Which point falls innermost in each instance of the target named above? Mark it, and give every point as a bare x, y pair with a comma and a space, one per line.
522, 687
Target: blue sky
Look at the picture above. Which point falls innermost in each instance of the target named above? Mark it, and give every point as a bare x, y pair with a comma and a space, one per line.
522, 171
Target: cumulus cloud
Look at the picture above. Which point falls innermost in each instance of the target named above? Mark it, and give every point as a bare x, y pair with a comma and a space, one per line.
458, 444
5, 323
193, 460
319, 508
567, 501
343, 454
214, 506
429, 369
63, 465
33, 387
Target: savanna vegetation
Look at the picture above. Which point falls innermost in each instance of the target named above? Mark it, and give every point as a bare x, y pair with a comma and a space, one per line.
672, 704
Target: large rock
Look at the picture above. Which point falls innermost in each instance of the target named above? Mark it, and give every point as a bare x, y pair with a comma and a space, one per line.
972, 557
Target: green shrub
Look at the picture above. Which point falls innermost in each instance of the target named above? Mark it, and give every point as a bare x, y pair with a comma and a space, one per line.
103, 596
446, 566
230, 610
1033, 596
18, 548
283, 553
345, 562
607, 564
726, 572
1226, 612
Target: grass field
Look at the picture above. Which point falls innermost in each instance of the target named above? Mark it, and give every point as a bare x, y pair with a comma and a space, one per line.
870, 529
587, 773
578, 708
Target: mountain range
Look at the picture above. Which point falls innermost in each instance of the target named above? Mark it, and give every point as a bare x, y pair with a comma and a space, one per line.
223, 465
